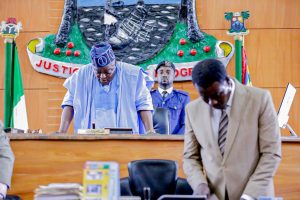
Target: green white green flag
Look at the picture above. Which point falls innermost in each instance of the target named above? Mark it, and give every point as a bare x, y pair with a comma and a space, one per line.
15, 115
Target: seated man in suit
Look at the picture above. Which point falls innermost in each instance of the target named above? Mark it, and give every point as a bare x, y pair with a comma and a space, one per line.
167, 97
6, 163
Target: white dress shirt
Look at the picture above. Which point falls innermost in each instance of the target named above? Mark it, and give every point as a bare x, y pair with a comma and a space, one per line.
169, 91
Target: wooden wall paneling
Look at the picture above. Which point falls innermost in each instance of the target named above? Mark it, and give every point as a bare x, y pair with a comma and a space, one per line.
272, 45
56, 4
2, 64
273, 56
32, 13
188, 87
56, 93
1, 104
277, 95
36, 106
55, 14
263, 14
31, 78
287, 177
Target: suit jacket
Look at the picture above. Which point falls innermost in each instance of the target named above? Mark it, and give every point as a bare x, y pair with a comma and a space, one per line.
6, 160
252, 149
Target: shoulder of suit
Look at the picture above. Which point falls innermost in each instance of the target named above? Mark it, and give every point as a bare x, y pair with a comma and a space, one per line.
256, 90
250, 89
257, 95
181, 92
194, 103
153, 90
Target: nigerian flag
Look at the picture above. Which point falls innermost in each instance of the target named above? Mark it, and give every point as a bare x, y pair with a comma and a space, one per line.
15, 115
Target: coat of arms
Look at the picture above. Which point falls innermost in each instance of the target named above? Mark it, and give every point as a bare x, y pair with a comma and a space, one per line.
237, 25
10, 29
141, 32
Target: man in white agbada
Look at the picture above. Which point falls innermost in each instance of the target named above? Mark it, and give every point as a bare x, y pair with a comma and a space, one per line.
108, 93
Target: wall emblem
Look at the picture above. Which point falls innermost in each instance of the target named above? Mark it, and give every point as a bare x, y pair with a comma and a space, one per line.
141, 32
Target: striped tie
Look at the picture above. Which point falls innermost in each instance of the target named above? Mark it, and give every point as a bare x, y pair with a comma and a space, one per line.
223, 131
164, 94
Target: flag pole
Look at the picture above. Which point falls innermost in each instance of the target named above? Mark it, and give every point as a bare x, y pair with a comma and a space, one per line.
238, 57
9, 30
8, 83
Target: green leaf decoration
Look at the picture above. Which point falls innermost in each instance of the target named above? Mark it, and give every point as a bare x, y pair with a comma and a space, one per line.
228, 15
245, 14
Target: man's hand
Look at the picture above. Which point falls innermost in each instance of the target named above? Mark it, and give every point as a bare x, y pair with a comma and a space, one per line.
202, 189
151, 132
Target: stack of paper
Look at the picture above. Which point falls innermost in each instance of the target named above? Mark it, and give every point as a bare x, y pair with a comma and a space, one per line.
93, 131
59, 191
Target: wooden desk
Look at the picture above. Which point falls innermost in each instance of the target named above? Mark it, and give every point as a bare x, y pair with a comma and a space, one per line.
44, 159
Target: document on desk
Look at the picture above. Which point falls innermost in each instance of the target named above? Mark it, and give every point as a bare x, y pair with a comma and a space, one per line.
93, 131
101, 181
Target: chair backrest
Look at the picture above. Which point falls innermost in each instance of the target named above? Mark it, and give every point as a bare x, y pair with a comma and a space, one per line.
159, 175
161, 122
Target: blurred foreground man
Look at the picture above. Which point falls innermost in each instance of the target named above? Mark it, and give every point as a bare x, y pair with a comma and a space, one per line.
232, 144
6, 163
167, 97
107, 93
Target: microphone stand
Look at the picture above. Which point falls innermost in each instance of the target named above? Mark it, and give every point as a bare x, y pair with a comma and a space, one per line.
286, 125
291, 130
